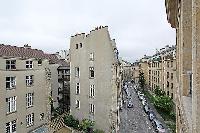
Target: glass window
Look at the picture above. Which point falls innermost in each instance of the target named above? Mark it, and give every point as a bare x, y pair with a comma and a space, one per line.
10, 64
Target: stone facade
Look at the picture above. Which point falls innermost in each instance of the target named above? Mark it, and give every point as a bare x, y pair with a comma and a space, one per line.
162, 71
31, 87
95, 79
28, 86
184, 17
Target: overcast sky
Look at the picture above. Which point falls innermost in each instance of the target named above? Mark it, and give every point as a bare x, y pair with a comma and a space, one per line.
139, 26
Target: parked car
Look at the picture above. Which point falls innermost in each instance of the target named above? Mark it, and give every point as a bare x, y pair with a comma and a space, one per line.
158, 126
144, 102
141, 96
138, 93
152, 115
130, 104
146, 109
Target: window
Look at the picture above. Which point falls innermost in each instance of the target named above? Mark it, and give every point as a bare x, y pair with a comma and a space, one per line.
92, 91
11, 104
77, 72
11, 127
91, 56
29, 80
78, 104
76, 46
10, 82
42, 116
81, 45
29, 120
92, 108
77, 88
172, 85
168, 64
171, 95
167, 75
171, 63
10, 64
39, 62
29, 100
91, 72
29, 64
167, 84
171, 76
167, 93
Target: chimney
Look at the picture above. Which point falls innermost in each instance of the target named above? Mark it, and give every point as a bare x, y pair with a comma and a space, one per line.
27, 46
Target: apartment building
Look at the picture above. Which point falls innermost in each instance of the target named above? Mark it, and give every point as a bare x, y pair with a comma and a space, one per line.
143, 67
26, 87
162, 71
126, 67
184, 16
135, 71
95, 79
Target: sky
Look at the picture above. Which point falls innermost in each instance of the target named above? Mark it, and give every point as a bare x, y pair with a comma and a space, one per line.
138, 26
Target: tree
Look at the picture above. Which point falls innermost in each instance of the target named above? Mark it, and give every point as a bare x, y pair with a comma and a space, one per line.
159, 92
86, 125
141, 80
71, 122
163, 103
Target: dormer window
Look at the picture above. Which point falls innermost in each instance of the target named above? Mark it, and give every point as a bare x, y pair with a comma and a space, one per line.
29, 64
39, 62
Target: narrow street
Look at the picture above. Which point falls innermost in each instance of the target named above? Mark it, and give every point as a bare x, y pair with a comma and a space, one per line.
134, 120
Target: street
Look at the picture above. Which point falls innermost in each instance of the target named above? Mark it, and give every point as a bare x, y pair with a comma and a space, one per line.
134, 120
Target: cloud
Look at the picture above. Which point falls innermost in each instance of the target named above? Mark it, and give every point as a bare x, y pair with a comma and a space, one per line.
139, 27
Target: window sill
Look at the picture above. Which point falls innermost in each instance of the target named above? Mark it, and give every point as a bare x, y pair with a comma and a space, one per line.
29, 106
11, 69
11, 88
29, 85
29, 126
8, 113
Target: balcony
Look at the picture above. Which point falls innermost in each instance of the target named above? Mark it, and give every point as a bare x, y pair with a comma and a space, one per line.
64, 91
63, 77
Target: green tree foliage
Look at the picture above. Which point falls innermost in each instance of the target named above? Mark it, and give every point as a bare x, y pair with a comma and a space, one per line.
159, 92
141, 80
98, 131
86, 125
163, 103
71, 122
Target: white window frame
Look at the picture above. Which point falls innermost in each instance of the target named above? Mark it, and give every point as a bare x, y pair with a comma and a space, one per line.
77, 72
91, 56
77, 104
10, 64
29, 64
11, 127
77, 88
30, 120
92, 108
90, 72
29, 80
92, 91
11, 104
29, 99
12, 82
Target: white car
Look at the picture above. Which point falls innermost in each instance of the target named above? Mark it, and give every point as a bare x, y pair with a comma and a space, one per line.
144, 102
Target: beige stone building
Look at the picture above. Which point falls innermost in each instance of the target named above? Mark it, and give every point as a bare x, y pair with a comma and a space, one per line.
184, 16
127, 72
95, 79
135, 71
162, 71
27, 81
24, 89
